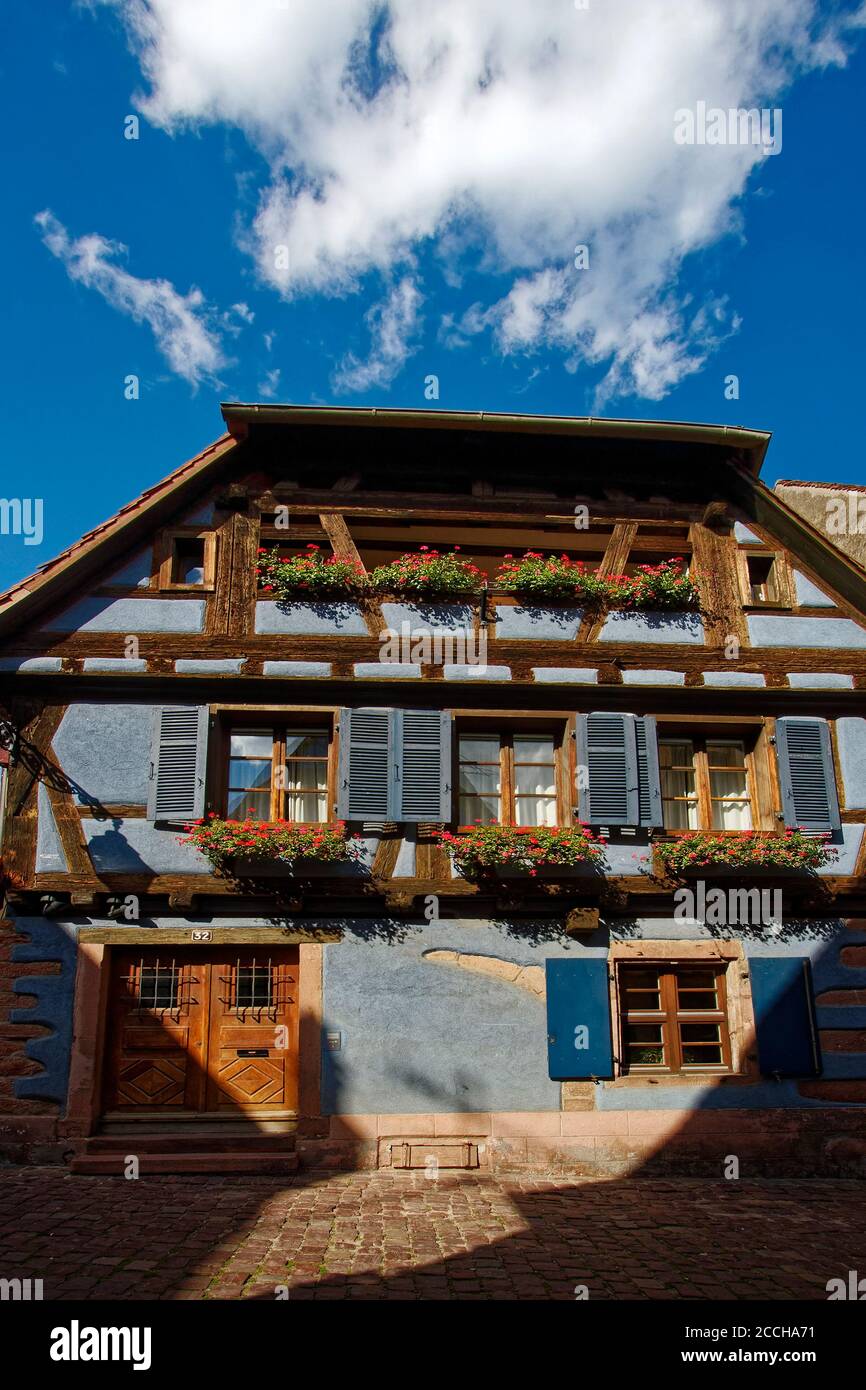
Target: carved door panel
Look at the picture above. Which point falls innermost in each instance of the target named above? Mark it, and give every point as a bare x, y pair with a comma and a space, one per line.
158, 1017
253, 1042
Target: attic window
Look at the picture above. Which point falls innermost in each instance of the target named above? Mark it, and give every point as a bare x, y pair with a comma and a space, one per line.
762, 583
187, 560
764, 579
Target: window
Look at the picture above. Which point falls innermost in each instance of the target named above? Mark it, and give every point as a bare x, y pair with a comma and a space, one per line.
158, 986
765, 579
762, 583
673, 1018
253, 986
706, 784
278, 772
509, 778
187, 560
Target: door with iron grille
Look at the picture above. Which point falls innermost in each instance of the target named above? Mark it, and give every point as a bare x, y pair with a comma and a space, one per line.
209, 1033
253, 1023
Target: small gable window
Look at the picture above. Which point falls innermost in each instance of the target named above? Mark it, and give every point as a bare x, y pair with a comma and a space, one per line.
762, 583
765, 580
187, 560
188, 566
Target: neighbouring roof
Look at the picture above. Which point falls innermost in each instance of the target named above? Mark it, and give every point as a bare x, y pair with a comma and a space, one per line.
833, 487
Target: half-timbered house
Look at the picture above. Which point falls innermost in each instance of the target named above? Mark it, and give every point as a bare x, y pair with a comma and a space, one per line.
511, 872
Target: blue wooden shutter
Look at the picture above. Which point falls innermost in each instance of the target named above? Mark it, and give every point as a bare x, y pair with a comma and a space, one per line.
578, 1020
806, 774
178, 763
607, 749
649, 792
364, 786
422, 766
785, 1016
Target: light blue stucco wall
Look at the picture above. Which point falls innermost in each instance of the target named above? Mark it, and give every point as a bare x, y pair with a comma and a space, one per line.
623, 626
537, 623
771, 630
420, 1037
851, 740
336, 618
130, 615
136, 570
429, 617
105, 749
809, 594
138, 846
50, 858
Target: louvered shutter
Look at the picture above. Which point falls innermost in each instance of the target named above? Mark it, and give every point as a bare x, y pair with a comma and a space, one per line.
364, 791
607, 750
649, 792
578, 1019
784, 1007
422, 766
178, 763
806, 774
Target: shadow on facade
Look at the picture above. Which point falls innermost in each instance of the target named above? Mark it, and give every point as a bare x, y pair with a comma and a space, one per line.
567, 1232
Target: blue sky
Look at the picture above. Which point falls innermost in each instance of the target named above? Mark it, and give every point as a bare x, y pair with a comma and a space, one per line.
431, 207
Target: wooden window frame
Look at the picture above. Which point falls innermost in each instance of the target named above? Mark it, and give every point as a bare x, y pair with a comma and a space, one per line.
761, 777
670, 1018
165, 556
505, 730
277, 723
782, 578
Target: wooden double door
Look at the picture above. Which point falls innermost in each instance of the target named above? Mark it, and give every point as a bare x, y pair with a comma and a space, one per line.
203, 1032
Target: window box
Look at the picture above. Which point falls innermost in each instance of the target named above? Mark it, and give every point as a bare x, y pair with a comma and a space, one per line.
427, 574
227, 844
663, 587
703, 853
512, 851
310, 575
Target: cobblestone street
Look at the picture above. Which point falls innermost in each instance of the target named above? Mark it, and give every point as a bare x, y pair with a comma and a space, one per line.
463, 1236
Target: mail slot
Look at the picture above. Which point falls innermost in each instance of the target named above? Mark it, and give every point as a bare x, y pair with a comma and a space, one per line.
253, 1052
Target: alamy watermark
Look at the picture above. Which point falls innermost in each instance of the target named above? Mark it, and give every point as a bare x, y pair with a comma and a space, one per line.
413, 646
22, 516
846, 513
728, 907
737, 126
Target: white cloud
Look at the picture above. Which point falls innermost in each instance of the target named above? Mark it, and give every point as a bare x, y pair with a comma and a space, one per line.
393, 325
269, 387
181, 324
504, 134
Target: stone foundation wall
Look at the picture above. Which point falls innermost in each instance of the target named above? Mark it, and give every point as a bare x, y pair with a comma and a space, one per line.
819, 1142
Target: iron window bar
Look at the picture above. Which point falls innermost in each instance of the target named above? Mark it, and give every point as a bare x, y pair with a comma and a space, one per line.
245, 988
147, 982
